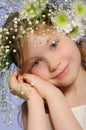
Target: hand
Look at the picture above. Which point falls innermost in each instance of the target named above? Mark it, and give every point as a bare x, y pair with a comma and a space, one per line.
18, 86
42, 86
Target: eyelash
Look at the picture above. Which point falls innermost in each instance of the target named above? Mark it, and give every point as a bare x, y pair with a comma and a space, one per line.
54, 44
36, 62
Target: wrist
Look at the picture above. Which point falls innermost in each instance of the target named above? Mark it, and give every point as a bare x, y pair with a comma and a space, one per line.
34, 97
53, 93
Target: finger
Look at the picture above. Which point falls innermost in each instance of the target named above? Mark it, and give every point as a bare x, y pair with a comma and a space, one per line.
38, 83
13, 75
35, 80
13, 81
17, 72
18, 87
23, 91
20, 78
29, 78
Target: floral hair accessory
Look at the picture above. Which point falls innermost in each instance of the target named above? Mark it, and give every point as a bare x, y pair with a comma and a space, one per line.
67, 16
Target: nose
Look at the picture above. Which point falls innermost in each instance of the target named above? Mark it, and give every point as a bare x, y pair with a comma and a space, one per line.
53, 64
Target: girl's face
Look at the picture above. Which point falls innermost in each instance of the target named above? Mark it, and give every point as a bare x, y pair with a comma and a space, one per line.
53, 57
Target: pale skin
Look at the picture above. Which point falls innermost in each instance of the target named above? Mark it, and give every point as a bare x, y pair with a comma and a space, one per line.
53, 67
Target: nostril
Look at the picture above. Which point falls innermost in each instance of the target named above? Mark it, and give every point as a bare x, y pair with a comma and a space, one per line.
54, 67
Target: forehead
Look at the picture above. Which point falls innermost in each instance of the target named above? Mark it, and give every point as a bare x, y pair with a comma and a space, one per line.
42, 35
34, 39
37, 40
37, 43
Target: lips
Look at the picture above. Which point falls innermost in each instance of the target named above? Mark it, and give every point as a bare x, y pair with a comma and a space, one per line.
63, 72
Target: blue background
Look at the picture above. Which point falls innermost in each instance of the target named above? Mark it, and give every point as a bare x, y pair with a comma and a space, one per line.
17, 101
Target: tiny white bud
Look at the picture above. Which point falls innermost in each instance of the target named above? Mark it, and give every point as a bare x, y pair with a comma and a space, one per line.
10, 122
7, 63
6, 38
43, 22
30, 23
43, 16
7, 33
13, 37
3, 70
16, 30
49, 14
32, 31
37, 22
5, 16
10, 42
7, 50
14, 50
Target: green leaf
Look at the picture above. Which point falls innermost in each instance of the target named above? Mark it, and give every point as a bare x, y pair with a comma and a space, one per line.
74, 31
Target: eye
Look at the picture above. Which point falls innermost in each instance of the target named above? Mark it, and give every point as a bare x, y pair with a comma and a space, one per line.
36, 62
53, 44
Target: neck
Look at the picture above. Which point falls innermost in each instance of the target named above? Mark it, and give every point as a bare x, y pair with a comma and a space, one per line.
76, 92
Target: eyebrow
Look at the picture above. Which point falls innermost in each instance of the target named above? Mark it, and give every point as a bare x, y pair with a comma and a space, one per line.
32, 60
52, 37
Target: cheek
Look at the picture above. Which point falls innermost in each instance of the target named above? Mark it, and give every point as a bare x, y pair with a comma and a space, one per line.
73, 55
67, 53
71, 50
42, 72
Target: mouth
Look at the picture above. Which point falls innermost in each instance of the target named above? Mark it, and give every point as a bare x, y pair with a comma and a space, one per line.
63, 72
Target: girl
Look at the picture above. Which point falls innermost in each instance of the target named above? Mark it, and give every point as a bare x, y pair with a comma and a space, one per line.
51, 78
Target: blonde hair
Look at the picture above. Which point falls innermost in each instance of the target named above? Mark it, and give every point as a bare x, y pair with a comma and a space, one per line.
82, 47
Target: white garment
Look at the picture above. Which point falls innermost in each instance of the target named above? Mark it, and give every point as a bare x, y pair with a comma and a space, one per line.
80, 114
